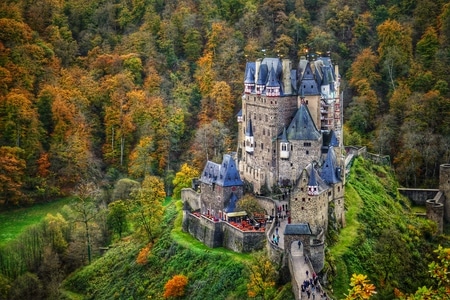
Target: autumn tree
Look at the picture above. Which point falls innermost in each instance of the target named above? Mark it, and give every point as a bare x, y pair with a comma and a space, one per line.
361, 288
395, 49
263, 275
250, 204
175, 287
118, 118
210, 143
12, 168
147, 207
183, 179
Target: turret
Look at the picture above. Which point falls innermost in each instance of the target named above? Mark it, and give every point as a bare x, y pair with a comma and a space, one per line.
284, 145
287, 66
249, 139
313, 187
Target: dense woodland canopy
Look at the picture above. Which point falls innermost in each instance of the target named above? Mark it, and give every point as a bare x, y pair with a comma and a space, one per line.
103, 89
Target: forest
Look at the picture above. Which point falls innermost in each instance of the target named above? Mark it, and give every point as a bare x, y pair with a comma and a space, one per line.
107, 89
100, 97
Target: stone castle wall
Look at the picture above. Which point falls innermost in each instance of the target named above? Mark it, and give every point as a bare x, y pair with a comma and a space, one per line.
435, 211
203, 229
221, 234
192, 198
242, 241
418, 196
317, 254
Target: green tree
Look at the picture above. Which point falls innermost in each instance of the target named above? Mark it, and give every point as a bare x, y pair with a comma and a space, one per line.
147, 207
85, 209
124, 188
438, 270
249, 204
117, 217
183, 179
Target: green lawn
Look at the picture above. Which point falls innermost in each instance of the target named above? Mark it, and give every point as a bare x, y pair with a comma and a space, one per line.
14, 221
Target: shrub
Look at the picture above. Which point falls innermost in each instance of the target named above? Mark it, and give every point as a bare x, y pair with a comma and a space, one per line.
175, 287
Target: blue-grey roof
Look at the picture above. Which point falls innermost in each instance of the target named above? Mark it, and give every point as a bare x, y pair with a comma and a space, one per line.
231, 205
262, 74
283, 137
239, 114
333, 139
224, 174
301, 228
250, 72
312, 177
329, 168
308, 84
273, 80
249, 128
302, 126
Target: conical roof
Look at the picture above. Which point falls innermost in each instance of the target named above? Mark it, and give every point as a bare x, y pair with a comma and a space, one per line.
329, 168
302, 126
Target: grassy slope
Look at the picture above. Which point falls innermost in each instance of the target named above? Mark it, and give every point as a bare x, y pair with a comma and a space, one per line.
13, 222
373, 205
213, 273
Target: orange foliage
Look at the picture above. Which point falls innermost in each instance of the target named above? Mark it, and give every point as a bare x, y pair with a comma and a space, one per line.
142, 258
43, 165
175, 287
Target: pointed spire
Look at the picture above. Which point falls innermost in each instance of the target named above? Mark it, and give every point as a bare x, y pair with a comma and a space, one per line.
284, 136
249, 129
329, 169
333, 139
312, 179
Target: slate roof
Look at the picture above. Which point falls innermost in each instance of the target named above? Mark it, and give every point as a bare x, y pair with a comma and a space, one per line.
249, 129
283, 136
224, 174
320, 183
308, 84
250, 70
301, 228
329, 169
312, 177
302, 126
273, 80
231, 204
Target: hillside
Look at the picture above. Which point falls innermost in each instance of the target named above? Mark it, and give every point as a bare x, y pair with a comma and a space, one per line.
383, 239
212, 273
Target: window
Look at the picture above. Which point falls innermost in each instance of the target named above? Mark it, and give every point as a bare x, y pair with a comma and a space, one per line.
307, 152
303, 199
292, 147
262, 145
307, 144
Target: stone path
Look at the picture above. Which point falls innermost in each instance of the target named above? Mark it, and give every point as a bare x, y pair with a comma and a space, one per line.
299, 264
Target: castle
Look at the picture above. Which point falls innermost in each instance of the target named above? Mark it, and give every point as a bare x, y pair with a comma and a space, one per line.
289, 146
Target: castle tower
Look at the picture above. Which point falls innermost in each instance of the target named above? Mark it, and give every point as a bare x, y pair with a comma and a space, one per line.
444, 186
221, 187
269, 109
